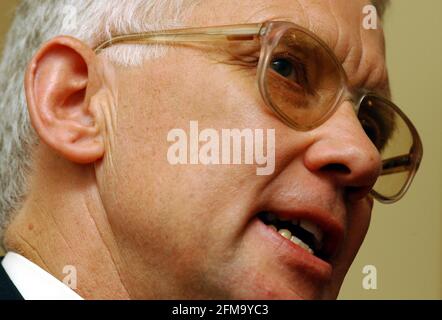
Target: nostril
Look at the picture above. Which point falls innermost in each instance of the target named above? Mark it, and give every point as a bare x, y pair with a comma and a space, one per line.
336, 167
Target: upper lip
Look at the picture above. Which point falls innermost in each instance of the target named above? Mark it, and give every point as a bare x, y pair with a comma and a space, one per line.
333, 229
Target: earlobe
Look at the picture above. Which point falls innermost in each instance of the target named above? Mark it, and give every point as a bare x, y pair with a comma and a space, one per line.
59, 86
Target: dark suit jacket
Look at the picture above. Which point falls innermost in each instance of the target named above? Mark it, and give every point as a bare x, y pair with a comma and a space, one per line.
7, 289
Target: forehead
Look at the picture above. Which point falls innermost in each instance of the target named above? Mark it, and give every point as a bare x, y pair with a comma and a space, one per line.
338, 22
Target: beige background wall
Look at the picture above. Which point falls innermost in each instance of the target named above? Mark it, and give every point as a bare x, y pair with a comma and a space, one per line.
6, 14
404, 242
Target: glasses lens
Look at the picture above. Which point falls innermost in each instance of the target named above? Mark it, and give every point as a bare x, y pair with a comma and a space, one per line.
392, 136
303, 79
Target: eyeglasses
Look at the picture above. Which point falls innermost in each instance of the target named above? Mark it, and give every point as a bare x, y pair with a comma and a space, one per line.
302, 81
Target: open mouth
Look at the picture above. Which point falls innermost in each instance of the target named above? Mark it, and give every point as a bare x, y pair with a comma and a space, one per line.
302, 232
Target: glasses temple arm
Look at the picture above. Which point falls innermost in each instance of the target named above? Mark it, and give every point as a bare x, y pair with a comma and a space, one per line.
225, 33
396, 164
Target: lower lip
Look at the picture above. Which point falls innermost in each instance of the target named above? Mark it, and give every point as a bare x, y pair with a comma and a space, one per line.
293, 255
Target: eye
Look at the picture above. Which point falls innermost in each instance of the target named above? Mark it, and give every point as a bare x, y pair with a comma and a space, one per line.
283, 66
378, 122
292, 70
373, 131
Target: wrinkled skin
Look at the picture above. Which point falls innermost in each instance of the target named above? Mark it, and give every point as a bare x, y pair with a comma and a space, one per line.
104, 198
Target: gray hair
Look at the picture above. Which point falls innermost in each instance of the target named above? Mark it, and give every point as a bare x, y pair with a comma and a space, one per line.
37, 21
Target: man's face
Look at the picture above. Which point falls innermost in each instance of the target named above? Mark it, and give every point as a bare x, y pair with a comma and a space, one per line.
193, 231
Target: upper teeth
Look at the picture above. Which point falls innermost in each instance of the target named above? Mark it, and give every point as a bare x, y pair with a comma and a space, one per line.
305, 224
313, 229
288, 235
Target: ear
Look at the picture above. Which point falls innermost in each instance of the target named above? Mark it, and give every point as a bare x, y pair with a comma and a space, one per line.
59, 84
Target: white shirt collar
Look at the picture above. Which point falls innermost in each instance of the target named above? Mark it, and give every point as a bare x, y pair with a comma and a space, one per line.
33, 282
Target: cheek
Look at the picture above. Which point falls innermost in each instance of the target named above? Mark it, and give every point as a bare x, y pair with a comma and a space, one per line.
358, 223
359, 215
148, 198
180, 215
359, 219
162, 100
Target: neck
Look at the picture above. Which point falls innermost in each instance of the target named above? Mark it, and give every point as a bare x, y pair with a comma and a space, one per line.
63, 223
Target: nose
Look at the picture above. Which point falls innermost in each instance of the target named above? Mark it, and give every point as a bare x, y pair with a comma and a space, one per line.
343, 152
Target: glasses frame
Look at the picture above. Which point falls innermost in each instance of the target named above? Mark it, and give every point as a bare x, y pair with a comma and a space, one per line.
269, 34
412, 160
